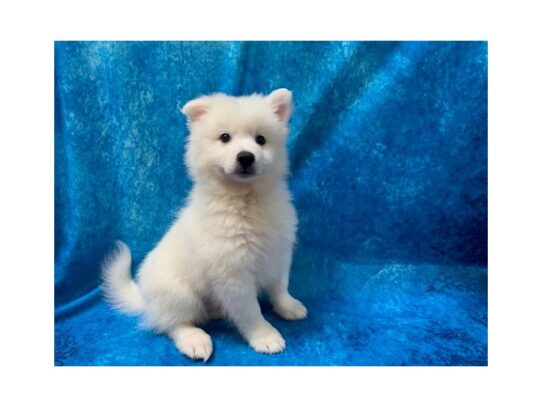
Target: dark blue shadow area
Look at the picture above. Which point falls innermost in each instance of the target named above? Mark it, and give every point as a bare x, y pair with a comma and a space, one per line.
388, 152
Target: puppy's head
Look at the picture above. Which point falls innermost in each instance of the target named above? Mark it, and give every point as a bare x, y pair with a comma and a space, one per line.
238, 139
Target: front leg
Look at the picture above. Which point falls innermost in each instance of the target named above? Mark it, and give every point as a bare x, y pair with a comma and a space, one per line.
240, 303
278, 271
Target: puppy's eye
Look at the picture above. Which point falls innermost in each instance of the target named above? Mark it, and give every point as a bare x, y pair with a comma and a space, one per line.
260, 139
225, 137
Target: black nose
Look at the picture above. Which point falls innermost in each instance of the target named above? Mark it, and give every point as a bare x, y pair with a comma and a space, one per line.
245, 158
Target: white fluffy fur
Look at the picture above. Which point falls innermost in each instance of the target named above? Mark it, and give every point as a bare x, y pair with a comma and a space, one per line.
232, 240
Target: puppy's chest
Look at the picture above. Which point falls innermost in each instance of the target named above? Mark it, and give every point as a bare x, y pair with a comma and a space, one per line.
242, 230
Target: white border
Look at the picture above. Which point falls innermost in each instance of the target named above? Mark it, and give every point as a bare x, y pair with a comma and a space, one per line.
28, 32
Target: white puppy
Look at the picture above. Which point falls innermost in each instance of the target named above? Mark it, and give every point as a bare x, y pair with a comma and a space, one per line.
232, 240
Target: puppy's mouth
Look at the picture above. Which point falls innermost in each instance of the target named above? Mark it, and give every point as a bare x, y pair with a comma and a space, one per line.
245, 172
241, 174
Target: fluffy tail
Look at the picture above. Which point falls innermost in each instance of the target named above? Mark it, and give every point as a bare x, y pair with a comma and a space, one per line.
119, 289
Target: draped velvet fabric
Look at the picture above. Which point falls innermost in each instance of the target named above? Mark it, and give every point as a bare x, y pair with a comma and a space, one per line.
388, 153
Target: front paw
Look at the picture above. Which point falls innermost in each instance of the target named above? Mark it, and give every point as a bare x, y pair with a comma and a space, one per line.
194, 343
289, 308
266, 339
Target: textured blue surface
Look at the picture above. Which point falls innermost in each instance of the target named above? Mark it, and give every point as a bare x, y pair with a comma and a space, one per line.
389, 175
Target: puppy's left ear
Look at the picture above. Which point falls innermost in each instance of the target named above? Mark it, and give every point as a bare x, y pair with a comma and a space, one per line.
195, 108
281, 101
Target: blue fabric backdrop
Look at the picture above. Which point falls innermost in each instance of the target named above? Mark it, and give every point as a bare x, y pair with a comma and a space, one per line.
388, 153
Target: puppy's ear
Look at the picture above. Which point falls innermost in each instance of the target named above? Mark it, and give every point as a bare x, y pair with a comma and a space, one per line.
281, 101
195, 108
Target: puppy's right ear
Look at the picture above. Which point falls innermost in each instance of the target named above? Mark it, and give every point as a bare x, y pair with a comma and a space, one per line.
195, 108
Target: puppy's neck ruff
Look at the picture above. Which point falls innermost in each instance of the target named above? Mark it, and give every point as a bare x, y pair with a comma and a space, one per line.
243, 218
